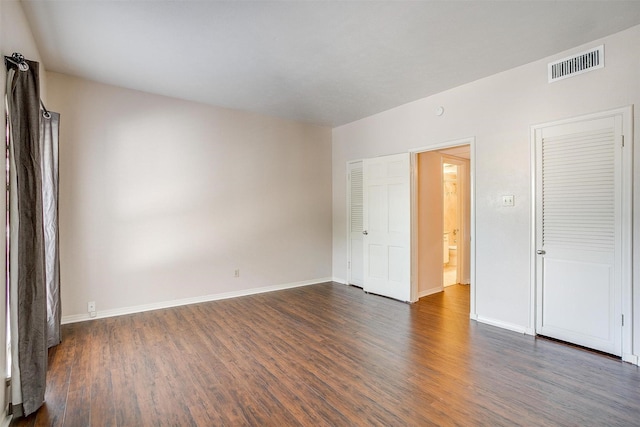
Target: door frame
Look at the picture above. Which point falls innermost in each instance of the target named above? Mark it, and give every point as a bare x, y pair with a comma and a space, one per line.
626, 223
471, 142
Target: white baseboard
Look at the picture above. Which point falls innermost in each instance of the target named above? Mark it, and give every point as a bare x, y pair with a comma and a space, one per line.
503, 325
186, 301
430, 291
6, 420
631, 358
339, 280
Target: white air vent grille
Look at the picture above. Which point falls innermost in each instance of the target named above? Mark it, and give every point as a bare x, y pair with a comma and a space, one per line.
577, 64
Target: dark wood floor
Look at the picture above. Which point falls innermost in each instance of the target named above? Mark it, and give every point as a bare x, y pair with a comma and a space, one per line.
327, 355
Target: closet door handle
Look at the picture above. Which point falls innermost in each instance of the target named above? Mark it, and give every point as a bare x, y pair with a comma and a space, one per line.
540, 252
365, 232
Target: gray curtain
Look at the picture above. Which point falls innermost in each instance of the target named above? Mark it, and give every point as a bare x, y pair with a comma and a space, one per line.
27, 250
49, 132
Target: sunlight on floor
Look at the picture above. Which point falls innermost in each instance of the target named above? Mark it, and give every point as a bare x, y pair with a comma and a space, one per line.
449, 275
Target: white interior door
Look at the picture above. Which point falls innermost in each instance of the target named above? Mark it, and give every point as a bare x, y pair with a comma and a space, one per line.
355, 223
578, 232
387, 222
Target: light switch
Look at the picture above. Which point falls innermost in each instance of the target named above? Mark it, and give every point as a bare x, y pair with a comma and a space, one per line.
508, 200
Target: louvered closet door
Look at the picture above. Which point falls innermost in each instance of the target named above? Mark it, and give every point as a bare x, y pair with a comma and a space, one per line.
355, 276
578, 191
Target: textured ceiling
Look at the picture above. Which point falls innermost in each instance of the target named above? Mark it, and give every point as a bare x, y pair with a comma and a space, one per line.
322, 62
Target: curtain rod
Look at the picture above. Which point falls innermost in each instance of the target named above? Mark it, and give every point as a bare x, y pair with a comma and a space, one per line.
18, 60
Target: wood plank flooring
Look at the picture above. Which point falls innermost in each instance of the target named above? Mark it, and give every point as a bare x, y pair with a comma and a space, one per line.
327, 355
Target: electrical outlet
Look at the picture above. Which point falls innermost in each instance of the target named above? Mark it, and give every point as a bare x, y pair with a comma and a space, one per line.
236, 273
91, 306
508, 200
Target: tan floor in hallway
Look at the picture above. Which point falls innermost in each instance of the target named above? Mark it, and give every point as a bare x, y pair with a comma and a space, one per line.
449, 275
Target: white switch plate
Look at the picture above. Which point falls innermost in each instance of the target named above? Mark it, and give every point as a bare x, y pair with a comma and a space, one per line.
508, 200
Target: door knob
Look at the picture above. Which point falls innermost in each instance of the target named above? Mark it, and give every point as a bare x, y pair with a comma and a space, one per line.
365, 232
540, 252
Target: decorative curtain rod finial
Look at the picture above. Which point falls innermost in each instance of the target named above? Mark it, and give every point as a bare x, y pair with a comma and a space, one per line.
18, 59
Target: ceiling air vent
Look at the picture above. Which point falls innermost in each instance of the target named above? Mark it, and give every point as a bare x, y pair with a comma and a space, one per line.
577, 64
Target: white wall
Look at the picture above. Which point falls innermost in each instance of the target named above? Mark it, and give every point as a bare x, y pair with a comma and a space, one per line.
498, 111
162, 199
15, 36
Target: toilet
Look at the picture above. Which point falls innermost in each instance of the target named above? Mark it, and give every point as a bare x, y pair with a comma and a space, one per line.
452, 252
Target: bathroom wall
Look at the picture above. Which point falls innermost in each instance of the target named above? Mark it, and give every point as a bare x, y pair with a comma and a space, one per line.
429, 223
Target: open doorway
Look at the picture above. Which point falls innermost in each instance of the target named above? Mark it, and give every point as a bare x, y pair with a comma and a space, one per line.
451, 222
456, 216
443, 211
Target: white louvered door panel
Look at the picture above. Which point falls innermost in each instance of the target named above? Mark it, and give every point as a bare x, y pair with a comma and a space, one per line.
355, 208
578, 191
